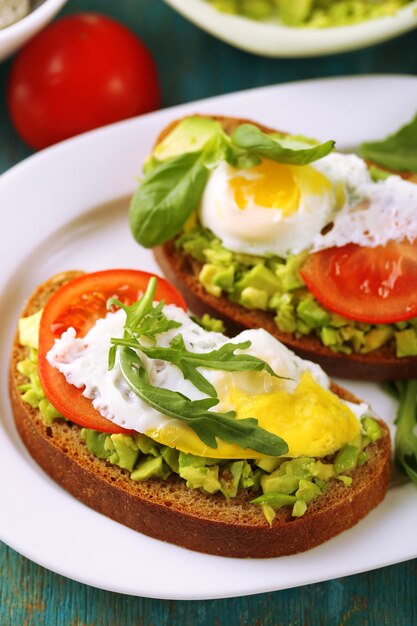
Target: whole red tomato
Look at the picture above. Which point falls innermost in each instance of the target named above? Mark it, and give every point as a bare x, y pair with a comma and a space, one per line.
81, 72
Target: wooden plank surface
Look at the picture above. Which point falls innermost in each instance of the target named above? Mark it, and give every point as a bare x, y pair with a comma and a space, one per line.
194, 65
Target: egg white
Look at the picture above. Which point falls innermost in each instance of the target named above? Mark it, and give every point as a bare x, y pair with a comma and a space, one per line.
373, 213
261, 230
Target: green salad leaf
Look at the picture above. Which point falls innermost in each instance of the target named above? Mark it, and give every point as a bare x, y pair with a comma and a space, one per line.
251, 138
397, 152
143, 319
406, 422
166, 197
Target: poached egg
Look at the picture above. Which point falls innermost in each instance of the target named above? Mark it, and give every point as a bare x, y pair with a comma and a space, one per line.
300, 408
278, 209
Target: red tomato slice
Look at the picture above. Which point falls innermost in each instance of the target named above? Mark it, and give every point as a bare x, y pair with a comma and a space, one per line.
375, 285
80, 303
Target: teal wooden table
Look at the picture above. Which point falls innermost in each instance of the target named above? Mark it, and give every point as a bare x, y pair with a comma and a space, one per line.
193, 65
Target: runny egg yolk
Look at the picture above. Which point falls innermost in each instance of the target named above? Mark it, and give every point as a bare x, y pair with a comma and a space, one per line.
312, 420
277, 186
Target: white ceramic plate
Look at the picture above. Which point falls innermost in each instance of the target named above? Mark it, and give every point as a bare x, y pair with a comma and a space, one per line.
50, 223
274, 40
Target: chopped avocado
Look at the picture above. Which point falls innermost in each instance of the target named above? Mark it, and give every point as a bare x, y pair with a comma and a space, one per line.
225, 279
279, 484
329, 336
206, 478
294, 12
190, 460
362, 458
269, 464
27, 367
230, 477
269, 513
126, 450
355, 336
299, 508
209, 323
406, 342
302, 467
260, 278
252, 298
324, 471
288, 272
346, 480
377, 337
218, 255
146, 445
207, 277
275, 499
346, 459
29, 330
307, 490
95, 442
190, 135
312, 314
48, 411
256, 476
151, 467
247, 478
195, 242
170, 456
33, 393
31, 397
372, 429
285, 318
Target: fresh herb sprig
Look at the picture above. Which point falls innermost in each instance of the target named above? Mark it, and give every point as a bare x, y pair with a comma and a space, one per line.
171, 190
406, 423
188, 362
207, 424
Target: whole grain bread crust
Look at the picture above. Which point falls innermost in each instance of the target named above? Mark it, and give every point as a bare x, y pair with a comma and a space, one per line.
182, 271
168, 510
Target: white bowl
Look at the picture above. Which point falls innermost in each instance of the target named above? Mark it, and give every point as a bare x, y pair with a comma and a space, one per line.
274, 40
14, 36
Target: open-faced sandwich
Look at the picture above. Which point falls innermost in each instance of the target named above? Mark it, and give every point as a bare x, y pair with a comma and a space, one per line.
263, 229
234, 447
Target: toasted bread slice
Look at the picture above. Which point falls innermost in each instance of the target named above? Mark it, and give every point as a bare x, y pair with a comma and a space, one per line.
168, 510
182, 271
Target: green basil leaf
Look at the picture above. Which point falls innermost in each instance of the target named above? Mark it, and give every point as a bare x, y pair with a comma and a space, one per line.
251, 138
406, 422
166, 197
397, 152
241, 159
207, 424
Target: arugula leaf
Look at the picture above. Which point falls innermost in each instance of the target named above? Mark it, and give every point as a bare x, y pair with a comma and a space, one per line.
397, 152
145, 319
166, 197
251, 138
206, 424
188, 362
406, 422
